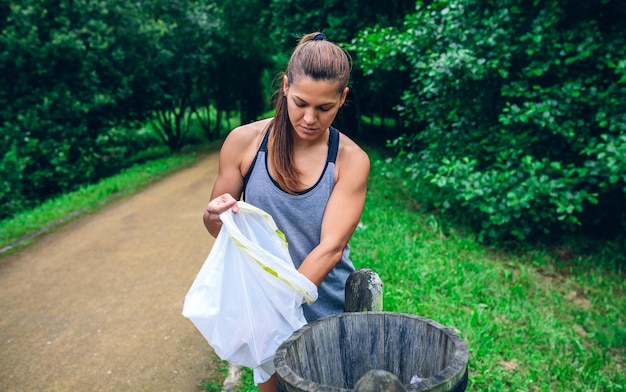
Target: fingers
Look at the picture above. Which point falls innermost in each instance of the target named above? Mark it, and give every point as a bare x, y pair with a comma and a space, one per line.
220, 204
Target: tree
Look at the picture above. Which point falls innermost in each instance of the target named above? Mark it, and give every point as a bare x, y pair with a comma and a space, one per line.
68, 71
245, 60
181, 64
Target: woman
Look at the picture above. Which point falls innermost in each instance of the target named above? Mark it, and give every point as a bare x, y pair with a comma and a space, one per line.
308, 176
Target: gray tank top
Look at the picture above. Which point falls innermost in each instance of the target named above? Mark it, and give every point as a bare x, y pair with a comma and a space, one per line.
299, 217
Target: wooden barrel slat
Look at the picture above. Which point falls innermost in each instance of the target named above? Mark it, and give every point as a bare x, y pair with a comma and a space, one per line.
323, 341
296, 357
366, 351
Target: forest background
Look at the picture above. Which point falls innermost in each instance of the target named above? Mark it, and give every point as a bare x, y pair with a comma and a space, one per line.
508, 117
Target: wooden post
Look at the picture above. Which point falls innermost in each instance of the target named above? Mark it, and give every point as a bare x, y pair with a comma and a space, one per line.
364, 292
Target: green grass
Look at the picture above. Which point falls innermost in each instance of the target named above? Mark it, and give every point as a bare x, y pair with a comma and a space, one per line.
18, 230
211, 385
247, 381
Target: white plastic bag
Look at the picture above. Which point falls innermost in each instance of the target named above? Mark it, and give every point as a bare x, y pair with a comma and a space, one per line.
246, 299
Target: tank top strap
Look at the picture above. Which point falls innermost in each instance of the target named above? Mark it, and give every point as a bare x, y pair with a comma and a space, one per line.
333, 145
263, 146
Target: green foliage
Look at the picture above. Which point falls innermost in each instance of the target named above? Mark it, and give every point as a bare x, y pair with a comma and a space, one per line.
68, 73
77, 76
244, 60
181, 69
518, 111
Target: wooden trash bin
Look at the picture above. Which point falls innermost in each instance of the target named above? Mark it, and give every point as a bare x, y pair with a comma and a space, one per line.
333, 353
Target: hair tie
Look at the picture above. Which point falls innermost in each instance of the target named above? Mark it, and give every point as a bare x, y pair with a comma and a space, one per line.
319, 37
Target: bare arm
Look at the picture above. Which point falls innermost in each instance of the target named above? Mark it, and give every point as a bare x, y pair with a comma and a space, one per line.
342, 214
235, 156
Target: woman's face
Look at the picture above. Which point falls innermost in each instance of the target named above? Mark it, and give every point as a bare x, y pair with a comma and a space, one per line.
312, 105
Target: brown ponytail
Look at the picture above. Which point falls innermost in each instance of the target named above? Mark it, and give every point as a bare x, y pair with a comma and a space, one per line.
318, 59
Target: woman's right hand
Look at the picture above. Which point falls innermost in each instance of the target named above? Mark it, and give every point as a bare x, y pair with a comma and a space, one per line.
220, 204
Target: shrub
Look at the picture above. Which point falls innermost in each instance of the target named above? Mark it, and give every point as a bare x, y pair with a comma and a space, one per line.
522, 107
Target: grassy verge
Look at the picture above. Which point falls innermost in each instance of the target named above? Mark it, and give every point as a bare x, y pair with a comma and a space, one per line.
532, 322
211, 385
23, 227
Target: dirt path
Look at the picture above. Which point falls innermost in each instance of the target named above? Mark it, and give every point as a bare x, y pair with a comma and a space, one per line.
96, 305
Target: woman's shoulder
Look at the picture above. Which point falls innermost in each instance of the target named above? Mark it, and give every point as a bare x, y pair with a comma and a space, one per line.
247, 133
349, 150
352, 159
245, 137
242, 143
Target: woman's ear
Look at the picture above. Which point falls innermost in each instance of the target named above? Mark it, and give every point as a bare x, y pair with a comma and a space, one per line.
344, 95
285, 85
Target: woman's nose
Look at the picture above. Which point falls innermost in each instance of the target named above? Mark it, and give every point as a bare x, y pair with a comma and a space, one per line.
309, 116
